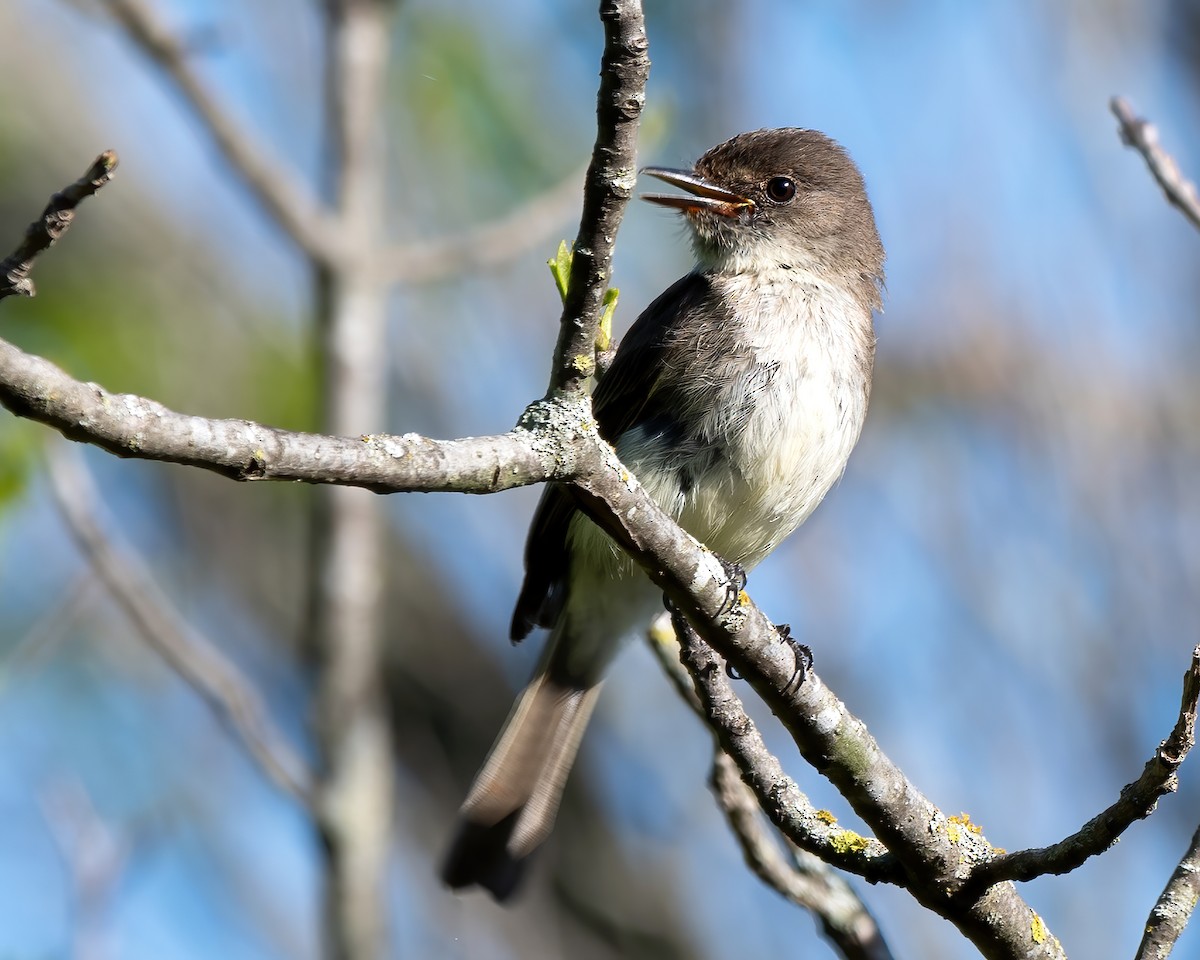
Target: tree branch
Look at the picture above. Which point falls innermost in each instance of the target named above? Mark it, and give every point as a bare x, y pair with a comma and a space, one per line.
1174, 907
217, 681
611, 176
1137, 801
699, 677
285, 197
1143, 137
55, 220
1000, 925
805, 879
133, 426
934, 853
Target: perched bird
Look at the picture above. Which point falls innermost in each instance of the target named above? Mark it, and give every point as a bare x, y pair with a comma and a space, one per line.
735, 399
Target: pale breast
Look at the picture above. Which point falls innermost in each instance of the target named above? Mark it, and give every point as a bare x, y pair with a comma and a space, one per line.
769, 407
788, 419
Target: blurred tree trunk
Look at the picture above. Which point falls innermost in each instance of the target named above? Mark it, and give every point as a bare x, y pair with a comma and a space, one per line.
354, 798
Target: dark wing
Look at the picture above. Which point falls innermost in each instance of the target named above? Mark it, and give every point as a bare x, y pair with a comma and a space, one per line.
625, 396
628, 388
542, 593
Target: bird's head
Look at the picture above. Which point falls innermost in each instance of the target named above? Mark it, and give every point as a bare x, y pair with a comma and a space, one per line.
778, 199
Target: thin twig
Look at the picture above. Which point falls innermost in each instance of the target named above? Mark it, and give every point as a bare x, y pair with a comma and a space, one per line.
283, 194
1137, 801
52, 224
780, 798
624, 69
218, 682
1143, 137
1174, 907
805, 880
934, 853
488, 244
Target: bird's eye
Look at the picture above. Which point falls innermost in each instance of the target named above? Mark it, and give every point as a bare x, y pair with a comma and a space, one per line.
781, 189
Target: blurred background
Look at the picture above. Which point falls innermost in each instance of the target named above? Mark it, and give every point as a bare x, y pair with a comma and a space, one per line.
1003, 586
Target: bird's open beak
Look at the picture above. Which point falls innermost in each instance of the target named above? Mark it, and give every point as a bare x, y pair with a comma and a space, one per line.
704, 195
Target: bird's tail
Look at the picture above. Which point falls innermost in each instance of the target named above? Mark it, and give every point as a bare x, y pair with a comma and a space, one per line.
512, 804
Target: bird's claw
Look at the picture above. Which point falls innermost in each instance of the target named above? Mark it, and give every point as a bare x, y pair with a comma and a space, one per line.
735, 573
803, 657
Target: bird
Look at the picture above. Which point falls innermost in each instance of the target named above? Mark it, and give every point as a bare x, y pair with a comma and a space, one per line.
735, 398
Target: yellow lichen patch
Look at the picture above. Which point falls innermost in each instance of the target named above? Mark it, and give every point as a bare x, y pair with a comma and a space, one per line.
367, 438
584, 363
847, 841
1037, 929
826, 817
743, 597
965, 820
953, 833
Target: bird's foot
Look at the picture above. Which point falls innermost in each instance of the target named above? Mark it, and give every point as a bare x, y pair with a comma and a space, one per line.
735, 573
802, 653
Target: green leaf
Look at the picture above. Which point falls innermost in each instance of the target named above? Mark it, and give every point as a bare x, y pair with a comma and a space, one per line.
604, 337
560, 268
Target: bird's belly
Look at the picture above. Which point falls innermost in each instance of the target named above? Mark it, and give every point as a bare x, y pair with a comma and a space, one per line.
761, 420
774, 470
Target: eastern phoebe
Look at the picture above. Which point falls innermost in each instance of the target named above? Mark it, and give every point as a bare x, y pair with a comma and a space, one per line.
735, 399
